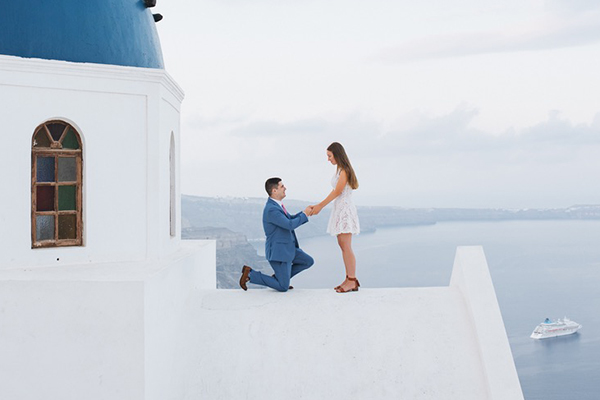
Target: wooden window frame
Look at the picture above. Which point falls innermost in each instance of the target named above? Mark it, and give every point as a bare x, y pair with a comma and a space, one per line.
56, 150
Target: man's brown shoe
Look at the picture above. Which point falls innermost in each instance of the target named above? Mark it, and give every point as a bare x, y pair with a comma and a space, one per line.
245, 278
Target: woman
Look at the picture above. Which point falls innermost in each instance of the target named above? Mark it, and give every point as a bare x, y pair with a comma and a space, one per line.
343, 222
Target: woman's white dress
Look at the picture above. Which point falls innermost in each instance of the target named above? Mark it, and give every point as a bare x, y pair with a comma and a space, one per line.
344, 218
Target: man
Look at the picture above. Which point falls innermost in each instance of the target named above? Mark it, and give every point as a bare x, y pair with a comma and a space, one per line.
281, 248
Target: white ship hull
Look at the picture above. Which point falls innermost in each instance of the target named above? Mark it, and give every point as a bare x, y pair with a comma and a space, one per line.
561, 327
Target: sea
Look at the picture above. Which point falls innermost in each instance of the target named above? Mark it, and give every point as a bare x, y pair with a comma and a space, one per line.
540, 269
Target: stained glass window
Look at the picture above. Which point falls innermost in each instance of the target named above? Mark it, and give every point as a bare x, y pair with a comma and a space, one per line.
66, 198
56, 130
70, 141
67, 226
45, 169
56, 193
45, 198
45, 227
67, 169
41, 138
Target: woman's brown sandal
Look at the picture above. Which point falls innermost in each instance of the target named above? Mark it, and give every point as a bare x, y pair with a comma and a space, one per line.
339, 286
354, 289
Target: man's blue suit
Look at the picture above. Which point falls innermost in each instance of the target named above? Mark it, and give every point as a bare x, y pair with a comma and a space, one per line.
281, 248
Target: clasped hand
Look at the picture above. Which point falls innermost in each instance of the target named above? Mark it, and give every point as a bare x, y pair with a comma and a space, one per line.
312, 210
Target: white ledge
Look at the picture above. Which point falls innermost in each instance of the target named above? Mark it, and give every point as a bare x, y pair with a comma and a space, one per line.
86, 70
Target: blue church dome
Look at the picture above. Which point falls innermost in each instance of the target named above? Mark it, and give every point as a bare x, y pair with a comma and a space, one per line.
117, 32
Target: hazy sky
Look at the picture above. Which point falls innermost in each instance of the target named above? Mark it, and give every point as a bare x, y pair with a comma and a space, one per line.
441, 103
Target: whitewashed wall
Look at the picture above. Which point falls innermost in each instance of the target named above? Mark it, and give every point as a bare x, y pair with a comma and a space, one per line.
104, 331
102, 322
125, 116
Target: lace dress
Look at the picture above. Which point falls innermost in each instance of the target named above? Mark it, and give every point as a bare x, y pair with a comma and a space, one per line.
344, 218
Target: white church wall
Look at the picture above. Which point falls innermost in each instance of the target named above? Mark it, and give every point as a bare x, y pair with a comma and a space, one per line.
125, 127
169, 125
101, 331
168, 295
71, 340
105, 319
471, 275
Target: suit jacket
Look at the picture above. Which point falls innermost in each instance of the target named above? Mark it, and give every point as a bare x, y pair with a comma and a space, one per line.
279, 228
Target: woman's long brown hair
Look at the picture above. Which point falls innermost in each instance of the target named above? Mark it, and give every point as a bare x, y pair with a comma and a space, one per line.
343, 163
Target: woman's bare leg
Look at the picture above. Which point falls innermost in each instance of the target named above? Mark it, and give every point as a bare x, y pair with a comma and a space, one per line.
345, 243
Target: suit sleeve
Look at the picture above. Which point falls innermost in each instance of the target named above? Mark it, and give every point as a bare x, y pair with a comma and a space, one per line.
278, 218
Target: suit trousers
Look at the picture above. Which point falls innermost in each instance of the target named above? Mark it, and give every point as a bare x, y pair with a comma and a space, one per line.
284, 271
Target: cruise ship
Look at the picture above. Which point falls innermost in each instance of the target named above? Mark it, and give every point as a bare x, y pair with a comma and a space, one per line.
560, 327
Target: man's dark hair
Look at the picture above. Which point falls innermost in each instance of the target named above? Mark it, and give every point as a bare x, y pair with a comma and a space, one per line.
270, 184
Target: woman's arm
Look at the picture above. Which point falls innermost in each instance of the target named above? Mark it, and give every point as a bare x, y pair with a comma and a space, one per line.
339, 187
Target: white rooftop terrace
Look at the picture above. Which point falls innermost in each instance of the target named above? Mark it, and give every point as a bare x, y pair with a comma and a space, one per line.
402, 343
163, 333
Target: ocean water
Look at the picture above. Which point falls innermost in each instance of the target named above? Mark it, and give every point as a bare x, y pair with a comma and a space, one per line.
539, 268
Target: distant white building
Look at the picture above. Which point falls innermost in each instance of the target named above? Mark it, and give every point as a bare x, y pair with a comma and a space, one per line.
93, 272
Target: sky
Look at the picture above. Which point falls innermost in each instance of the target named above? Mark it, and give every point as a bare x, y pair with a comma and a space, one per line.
444, 103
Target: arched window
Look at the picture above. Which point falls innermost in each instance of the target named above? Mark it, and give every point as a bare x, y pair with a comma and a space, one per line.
172, 189
56, 179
